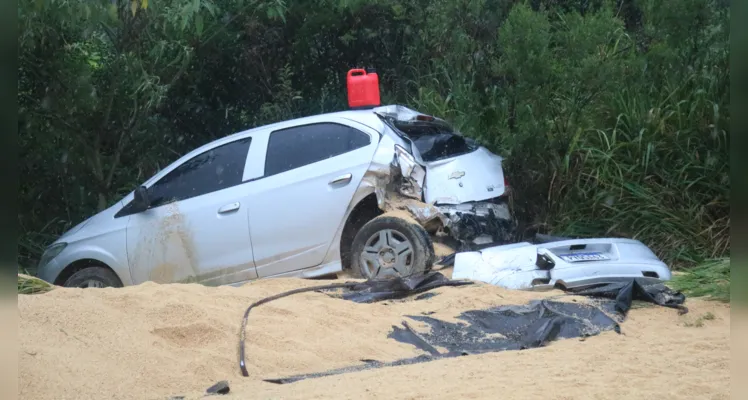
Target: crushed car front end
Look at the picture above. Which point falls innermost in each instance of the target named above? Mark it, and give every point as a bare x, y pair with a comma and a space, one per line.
448, 182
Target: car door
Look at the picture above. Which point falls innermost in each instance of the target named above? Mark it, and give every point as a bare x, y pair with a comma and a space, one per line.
311, 173
196, 228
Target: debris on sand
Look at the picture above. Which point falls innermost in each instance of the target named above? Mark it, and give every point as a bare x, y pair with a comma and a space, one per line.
178, 339
221, 387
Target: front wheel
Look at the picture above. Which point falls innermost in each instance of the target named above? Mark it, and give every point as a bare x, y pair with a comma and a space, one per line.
391, 247
93, 277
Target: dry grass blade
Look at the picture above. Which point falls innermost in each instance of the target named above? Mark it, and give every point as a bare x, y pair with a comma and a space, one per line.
31, 285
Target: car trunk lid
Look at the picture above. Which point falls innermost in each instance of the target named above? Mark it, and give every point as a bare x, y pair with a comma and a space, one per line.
475, 176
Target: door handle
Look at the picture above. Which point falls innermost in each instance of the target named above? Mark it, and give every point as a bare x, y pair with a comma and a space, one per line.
344, 179
229, 208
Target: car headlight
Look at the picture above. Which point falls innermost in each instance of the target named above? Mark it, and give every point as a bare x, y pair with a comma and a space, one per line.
52, 252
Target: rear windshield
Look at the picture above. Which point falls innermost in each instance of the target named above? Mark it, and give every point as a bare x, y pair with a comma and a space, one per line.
436, 142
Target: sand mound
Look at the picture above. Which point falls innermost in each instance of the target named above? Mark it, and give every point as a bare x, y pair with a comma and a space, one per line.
155, 341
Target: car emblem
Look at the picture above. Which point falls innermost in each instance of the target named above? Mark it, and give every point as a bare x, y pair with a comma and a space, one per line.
457, 175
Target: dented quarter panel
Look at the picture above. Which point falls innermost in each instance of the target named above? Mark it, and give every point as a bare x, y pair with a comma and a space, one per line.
377, 180
379, 175
475, 176
413, 174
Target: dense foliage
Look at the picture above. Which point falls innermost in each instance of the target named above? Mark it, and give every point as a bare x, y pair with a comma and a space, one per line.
613, 115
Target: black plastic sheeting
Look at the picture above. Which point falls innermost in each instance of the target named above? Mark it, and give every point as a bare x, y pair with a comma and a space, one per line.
625, 292
398, 288
510, 327
364, 292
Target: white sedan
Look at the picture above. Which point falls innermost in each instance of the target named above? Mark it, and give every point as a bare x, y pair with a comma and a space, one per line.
359, 189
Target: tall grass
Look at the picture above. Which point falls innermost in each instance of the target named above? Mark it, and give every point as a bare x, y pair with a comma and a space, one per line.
660, 174
641, 152
710, 279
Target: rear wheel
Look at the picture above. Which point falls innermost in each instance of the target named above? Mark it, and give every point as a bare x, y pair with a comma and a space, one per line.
389, 246
93, 277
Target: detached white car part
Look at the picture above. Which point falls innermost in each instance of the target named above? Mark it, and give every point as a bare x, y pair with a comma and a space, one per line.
567, 264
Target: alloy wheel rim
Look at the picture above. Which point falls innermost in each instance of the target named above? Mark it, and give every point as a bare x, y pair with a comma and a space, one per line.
92, 283
388, 253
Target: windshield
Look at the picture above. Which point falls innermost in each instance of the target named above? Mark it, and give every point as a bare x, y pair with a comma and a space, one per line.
436, 142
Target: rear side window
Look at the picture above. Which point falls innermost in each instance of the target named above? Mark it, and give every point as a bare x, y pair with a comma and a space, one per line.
303, 145
435, 142
216, 169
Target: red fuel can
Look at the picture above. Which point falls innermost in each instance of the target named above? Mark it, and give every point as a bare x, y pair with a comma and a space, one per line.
363, 88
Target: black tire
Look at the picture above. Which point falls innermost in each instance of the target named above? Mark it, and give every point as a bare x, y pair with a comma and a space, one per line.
84, 277
423, 256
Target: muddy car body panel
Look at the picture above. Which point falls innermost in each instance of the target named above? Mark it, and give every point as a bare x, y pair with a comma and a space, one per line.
569, 264
276, 200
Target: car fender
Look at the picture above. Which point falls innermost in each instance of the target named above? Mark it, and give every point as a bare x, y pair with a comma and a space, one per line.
79, 251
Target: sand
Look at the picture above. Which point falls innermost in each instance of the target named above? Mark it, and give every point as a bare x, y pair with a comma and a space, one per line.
154, 341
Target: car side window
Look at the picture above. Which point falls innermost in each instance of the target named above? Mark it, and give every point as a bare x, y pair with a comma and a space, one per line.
216, 169
302, 145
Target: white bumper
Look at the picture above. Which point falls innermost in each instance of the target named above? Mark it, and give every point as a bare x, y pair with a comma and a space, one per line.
529, 266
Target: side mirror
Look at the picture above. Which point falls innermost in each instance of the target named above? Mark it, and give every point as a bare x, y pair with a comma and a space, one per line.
140, 201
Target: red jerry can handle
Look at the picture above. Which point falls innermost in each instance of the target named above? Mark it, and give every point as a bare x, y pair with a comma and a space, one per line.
357, 71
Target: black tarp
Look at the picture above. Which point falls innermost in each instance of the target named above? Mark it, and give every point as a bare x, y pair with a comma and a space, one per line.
374, 290
512, 327
625, 292
361, 292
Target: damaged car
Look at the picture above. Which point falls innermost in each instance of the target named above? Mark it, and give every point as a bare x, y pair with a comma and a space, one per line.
366, 190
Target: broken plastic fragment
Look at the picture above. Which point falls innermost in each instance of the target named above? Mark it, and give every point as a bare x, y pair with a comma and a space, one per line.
571, 264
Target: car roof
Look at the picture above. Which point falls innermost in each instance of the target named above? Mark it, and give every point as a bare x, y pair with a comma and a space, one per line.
367, 117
